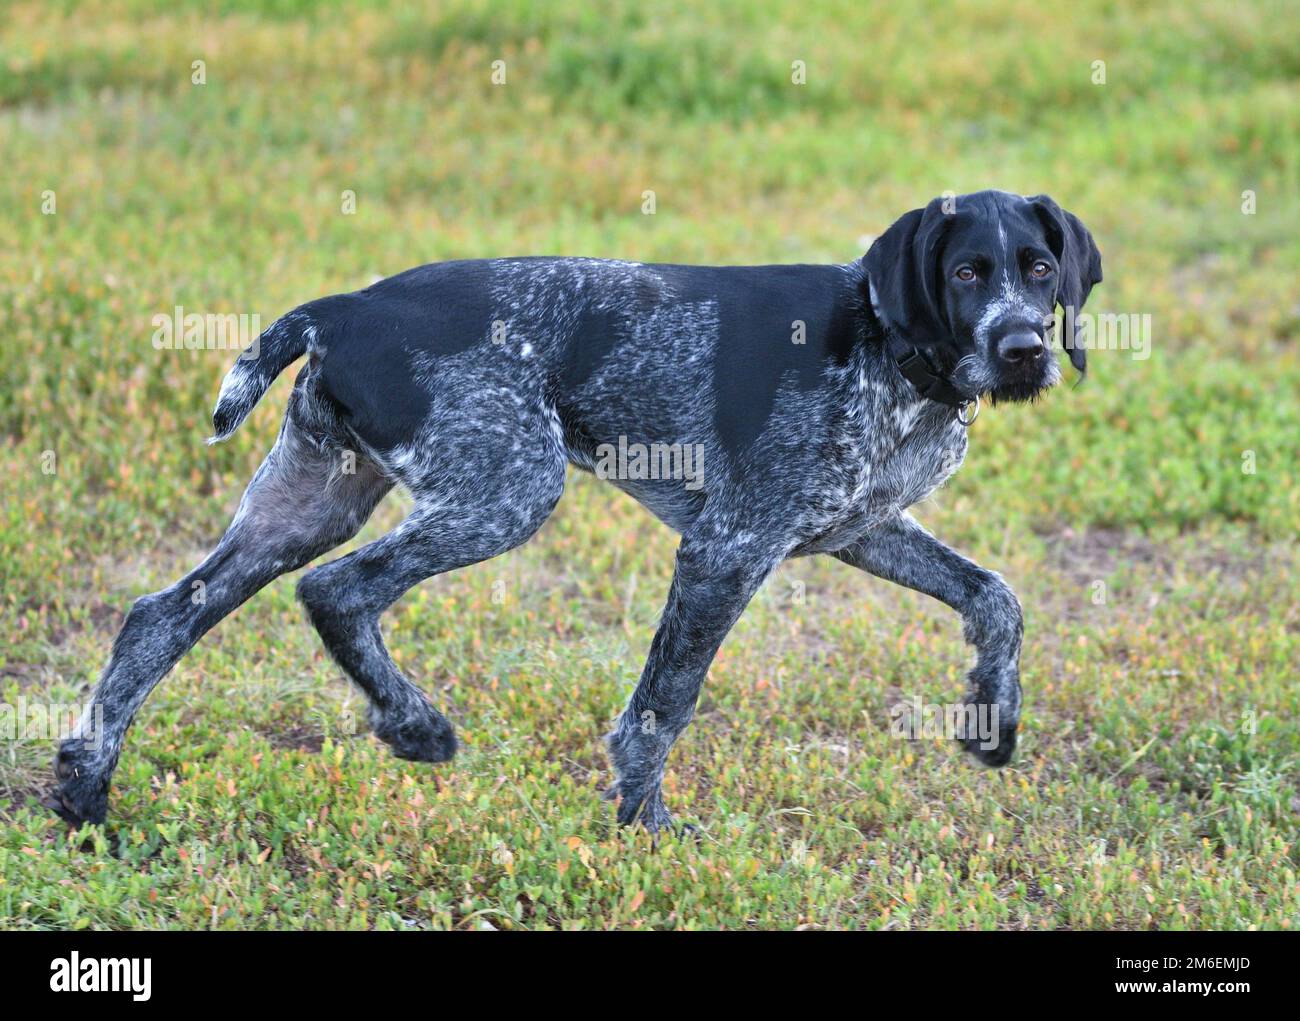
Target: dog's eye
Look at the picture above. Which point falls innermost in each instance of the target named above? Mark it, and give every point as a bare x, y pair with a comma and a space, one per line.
1040, 269
965, 274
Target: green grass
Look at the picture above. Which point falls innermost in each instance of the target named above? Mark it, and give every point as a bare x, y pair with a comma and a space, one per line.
1156, 782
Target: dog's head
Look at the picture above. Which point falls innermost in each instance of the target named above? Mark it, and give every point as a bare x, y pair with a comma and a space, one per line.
974, 281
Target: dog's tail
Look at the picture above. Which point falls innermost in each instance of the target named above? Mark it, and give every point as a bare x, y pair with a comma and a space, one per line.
284, 341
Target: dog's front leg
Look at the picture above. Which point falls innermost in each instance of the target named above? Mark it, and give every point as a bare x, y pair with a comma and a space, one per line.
902, 551
713, 583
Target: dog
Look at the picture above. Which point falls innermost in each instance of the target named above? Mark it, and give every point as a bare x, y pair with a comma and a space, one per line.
824, 401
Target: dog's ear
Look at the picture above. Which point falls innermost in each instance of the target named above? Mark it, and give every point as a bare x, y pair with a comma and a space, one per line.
903, 272
1080, 263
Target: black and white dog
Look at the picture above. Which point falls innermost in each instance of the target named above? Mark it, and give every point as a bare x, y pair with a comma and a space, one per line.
825, 401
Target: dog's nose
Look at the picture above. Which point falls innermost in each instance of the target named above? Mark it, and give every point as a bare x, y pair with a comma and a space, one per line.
1020, 347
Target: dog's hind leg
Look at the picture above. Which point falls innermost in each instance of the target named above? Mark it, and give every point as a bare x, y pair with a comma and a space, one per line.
715, 578
307, 497
474, 499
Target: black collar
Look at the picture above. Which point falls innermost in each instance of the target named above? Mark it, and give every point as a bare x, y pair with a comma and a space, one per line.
922, 374
915, 364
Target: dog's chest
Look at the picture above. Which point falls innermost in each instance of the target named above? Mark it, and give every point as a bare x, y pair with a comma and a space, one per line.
898, 457
923, 444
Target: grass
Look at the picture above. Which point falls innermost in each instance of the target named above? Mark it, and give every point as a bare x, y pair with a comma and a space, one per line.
1156, 782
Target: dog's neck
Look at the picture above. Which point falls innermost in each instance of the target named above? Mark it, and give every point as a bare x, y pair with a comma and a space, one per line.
924, 369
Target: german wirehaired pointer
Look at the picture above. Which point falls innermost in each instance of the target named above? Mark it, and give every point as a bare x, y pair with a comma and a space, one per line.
828, 400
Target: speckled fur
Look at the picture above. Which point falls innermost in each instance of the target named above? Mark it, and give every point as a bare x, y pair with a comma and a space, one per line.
474, 385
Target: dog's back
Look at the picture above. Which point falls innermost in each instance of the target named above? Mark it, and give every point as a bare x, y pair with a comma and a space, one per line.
662, 361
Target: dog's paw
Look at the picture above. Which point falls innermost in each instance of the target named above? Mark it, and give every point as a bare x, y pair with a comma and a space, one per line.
995, 753
421, 734
647, 810
81, 795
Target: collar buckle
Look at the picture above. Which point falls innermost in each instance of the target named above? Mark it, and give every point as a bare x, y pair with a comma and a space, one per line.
918, 370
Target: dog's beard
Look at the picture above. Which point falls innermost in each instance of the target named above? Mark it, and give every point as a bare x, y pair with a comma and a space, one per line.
974, 375
1019, 390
